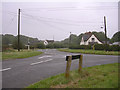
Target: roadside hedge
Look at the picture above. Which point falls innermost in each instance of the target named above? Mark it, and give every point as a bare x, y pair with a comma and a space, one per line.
114, 48
97, 47
107, 47
80, 47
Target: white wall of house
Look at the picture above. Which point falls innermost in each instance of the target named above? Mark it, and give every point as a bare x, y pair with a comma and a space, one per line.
45, 42
82, 42
95, 40
90, 40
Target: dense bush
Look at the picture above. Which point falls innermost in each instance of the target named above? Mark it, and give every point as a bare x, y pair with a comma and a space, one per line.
50, 45
97, 47
74, 46
107, 47
15, 45
5, 47
114, 48
58, 45
41, 45
80, 47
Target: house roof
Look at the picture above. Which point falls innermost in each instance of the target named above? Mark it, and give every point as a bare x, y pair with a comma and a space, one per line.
50, 41
87, 35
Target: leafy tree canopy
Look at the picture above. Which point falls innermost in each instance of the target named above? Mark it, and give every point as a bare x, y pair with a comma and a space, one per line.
116, 37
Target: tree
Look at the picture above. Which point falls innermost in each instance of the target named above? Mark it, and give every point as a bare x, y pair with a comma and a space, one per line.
58, 45
40, 45
116, 37
100, 36
15, 44
50, 45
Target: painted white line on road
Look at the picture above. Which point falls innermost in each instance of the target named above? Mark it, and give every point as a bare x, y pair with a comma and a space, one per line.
5, 69
36, 63
41, 62
40, 57
48, 60
44, 57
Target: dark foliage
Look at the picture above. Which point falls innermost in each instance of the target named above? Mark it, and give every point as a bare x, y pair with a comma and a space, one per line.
107, 47
80, 46
116, 37
40, 45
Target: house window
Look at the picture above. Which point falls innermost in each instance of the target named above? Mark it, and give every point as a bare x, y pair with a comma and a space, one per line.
93, 39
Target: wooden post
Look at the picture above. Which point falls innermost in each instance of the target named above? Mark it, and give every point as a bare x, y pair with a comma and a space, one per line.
105, 33
68, 67
18, 30
80, 63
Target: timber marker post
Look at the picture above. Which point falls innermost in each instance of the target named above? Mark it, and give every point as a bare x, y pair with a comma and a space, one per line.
68, 66
80, 63
69, 60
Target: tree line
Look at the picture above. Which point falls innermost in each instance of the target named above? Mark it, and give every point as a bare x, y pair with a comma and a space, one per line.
10, 41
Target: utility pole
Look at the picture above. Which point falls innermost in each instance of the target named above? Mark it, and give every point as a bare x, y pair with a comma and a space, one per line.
28, 44
70, 40
105, 33
53, 37
53, 41
18, 29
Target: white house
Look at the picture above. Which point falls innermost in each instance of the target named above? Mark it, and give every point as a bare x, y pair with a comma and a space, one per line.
89, 39
116, 43
46, 42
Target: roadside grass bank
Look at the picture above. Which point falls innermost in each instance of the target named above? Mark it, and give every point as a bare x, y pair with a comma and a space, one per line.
14, 54
101, 76
90, 51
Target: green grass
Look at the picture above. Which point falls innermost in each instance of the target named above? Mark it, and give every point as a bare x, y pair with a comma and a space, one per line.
103, 76
22, 54
90, 51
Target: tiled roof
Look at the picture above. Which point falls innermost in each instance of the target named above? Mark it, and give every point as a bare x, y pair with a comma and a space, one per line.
86, 36
50, 41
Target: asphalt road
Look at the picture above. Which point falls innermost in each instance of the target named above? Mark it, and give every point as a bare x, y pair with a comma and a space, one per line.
20, 73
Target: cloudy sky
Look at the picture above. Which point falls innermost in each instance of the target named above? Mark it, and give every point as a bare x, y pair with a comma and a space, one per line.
45, 20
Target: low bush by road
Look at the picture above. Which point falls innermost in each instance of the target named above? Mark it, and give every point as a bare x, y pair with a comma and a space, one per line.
22, 54
98, 52
101, 76
96, 47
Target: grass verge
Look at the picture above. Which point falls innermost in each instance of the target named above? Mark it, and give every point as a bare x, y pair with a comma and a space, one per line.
90, 51
103, 76
22, 54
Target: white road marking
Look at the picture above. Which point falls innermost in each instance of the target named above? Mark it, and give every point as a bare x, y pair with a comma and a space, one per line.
44, 57
41, 62
36, 63
48, 60
5, 69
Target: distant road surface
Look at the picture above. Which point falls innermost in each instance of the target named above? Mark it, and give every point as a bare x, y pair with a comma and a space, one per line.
20, 73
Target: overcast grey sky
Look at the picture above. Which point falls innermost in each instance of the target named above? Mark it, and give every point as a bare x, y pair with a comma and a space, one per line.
43, 20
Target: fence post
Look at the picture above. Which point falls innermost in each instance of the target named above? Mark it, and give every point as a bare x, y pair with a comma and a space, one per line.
68, 67
80, 63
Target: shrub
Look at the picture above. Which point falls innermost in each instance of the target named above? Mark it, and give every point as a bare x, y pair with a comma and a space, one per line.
80, 47
41, 46
15, 45
50, 45
99, 47
58, 45
4, 47
74, 46
114, 48
107, 47
88, 46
